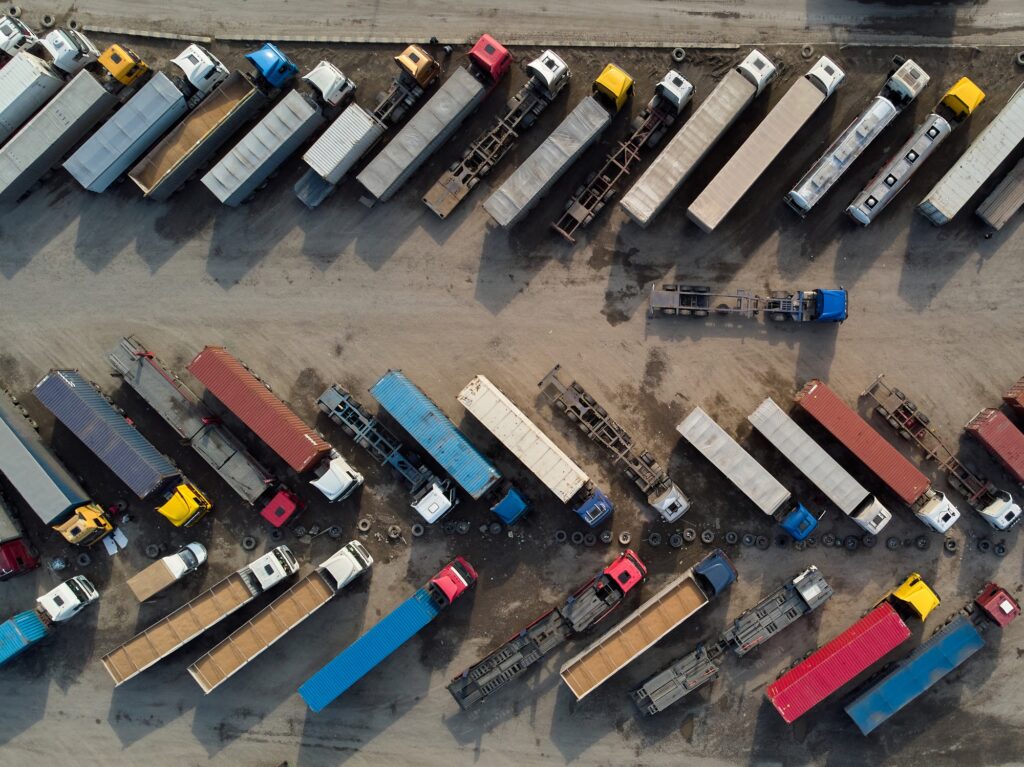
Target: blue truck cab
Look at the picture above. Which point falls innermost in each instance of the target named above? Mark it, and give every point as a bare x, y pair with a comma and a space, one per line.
272, 65
596, 508
511, 504
799, 523
830, 305
716, 571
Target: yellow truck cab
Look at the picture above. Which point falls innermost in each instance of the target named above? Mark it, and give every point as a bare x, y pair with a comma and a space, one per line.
185, 505
915, 595
87, 525
420, 65
614, 86
963, 98
123, 64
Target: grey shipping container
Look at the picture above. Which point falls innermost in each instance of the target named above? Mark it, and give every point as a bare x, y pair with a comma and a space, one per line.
108, 153
1005, 200
26, 83
52, 133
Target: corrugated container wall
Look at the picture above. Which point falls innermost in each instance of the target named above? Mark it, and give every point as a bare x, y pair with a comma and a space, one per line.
19, 632
343, 143
1014, 397
1005, 200
26, 83
1001, 438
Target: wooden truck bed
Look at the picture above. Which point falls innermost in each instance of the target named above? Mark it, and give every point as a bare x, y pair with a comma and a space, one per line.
151, 581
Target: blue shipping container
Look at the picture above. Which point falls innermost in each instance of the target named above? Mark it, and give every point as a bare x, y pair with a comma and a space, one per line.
77, 405
370, 649
19, 632
419, 416
915, 674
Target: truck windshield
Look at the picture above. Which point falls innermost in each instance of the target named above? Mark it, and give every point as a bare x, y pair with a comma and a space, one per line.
190, 560
78, 591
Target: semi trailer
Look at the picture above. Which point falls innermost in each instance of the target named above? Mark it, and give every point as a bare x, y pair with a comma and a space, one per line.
58, 605
16, 553
167, 571
819, 305
1005, 200
1001, 438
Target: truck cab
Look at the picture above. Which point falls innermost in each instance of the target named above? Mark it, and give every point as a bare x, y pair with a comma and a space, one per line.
550, 70
872, 517
937, 511
87, 525
997, 604
628, 571
716, 572
827, 75
596, 508
336, 479
274, 566
799, 522
184, 505
674, 90
914, 595
330, 83
491, 59
452, 582
70, 51
67, 599
1003, 512
511, 504
419, 65
434, 502
905, 84
273, 67
962, 99
123, 64
347, 564
201, 69
613, 88
758, 69
15, 35
187, 559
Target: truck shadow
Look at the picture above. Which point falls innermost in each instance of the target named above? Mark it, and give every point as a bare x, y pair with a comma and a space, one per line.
29, 226
175, 223
243, 237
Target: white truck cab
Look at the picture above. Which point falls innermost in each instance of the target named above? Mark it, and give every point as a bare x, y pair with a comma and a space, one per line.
433, 503
758, 69
673, 89
330, 82
1003, 513
201, 69
827, 75
872, 517
551, 70
907, 82
938, 512
186, 559
70, 51
274, 566
347, 564
15, 35
671, 504
336, 479
68, 598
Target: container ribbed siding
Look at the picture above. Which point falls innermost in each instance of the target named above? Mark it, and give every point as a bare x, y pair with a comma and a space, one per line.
26, 83
343, 143
1005, 200
19, 632
1014, 397
1001, 438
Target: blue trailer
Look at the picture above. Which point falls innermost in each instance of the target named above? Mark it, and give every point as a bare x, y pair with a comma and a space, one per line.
19, 633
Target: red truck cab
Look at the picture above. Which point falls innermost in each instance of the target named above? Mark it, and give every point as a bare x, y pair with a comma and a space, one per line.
627, 571
454, 579
998, 605
282, 508
16, 558
491, 58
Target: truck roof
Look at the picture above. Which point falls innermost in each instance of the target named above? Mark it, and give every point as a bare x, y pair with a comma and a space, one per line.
343, 143
491, 56
998, 605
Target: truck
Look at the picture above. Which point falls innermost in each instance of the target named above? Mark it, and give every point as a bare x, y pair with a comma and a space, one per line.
762, 147
357, 130
58, 605
274, 621
1005, 200
16, 553
199, 614
819, 305
676, 603
432, 496
1001, 438
548, 75
671, 95
957, 104
585, 608
899, 91
930, 506
849, 495
15, 36
639, 465
293, 120
111, 151
196, 139
867, 641
250, 399
424, 421
755, 626
997, 507
521, 191
670, 169
166, 571
394, 630
983, 157
84, 411
743, 470
436, 120
534, 448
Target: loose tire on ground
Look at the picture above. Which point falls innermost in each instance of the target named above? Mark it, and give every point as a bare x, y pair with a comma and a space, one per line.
248, 543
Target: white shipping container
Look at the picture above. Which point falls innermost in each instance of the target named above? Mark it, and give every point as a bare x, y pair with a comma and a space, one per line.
343, 143
26, 83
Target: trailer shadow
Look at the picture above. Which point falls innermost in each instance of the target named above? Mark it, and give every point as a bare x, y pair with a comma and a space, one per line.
176, 223
97, 246
243, 237
29, 226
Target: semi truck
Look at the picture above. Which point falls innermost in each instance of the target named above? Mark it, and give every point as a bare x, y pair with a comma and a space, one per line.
958, 103
867, 641
196, 139
681, 598
435, 122
250, 399
357, 130
15, 36
671, 96
78, 404
199, 614
394, 630
1005, 200
819, 305
548, 75
58, 605
930, 506
1001, 438
535, 450
899, 91
639, 465
16, 553
293, 120
517, 195
424, 421
983, 157
755, 626
762, 147
274, 621
670, 169
743, 470
167, 571
849, 495
585, 608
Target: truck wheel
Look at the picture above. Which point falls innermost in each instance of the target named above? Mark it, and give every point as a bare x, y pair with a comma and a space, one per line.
363, 525
689, 534
152, 551
83, 559
922, 543
807, 51
74, 25
868, 541
462, 527
984, 545
577, 538
748, 539
248, 543
762, 542
48, 21
731, 538
675, 541
561, 536
707, 537
606, 536
394, 532
950, 545
892, 543
654, 539
1020, 59
625, 538
828, 539
851, 542
417, 530
679, 55
589, 539
999, 549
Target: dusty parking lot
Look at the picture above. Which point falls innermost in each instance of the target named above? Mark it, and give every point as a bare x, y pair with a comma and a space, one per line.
344, 293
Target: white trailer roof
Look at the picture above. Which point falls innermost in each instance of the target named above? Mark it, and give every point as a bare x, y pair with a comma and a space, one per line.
345, 140
26, 83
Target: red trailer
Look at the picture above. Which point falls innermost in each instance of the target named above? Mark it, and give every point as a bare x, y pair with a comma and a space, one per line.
1014, 397
1001, 438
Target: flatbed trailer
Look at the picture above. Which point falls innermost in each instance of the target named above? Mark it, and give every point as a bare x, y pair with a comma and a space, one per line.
819, 305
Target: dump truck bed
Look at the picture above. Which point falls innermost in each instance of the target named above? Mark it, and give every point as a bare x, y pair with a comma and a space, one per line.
151, 581
26, 83
1005, 200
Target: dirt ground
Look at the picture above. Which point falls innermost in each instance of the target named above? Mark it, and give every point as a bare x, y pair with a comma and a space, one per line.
344, 292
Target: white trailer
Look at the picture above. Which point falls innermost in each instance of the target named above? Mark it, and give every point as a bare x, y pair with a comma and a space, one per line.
26, 83
333, 154
1005, 200
699, 134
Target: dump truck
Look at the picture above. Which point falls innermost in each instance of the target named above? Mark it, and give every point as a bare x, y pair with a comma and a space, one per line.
357, 130
199, 614
196, 139
15, 36
983, 157
743, 470
250, 399
585, 608
16, 553
820, 305
58, 605
639, 465
958, 103
930, 506
762, 147
84, 411
517, 195
436, 120
674, 164
424, 421
548, 75
1001, 438
671, 95
432, 496
274, 621
166, 571
1005, 200
755, 626
534, 448
867, 641
394, 630
899, 91
293, 120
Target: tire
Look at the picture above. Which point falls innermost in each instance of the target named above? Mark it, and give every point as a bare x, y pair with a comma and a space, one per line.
1000, 549
868, 541
299, 531
807, 51
152, 551
679, 55
654, 539
577, 538
689, 535
48, 21
14, 10
748, 539
892, 543
83, 559
922, 542
561, 536
810, 541
762, 542
984, 545
851, 542
675, 541
606, 536
248, 543
707, 537
589, 539
417, 530
950, 545
363, 525
625, 538
276, 534
828, 539
731, 538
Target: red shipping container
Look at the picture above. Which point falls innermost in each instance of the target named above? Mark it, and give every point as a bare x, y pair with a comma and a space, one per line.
830, 667
1014, 397
901, 476
1001, 438
268, 417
